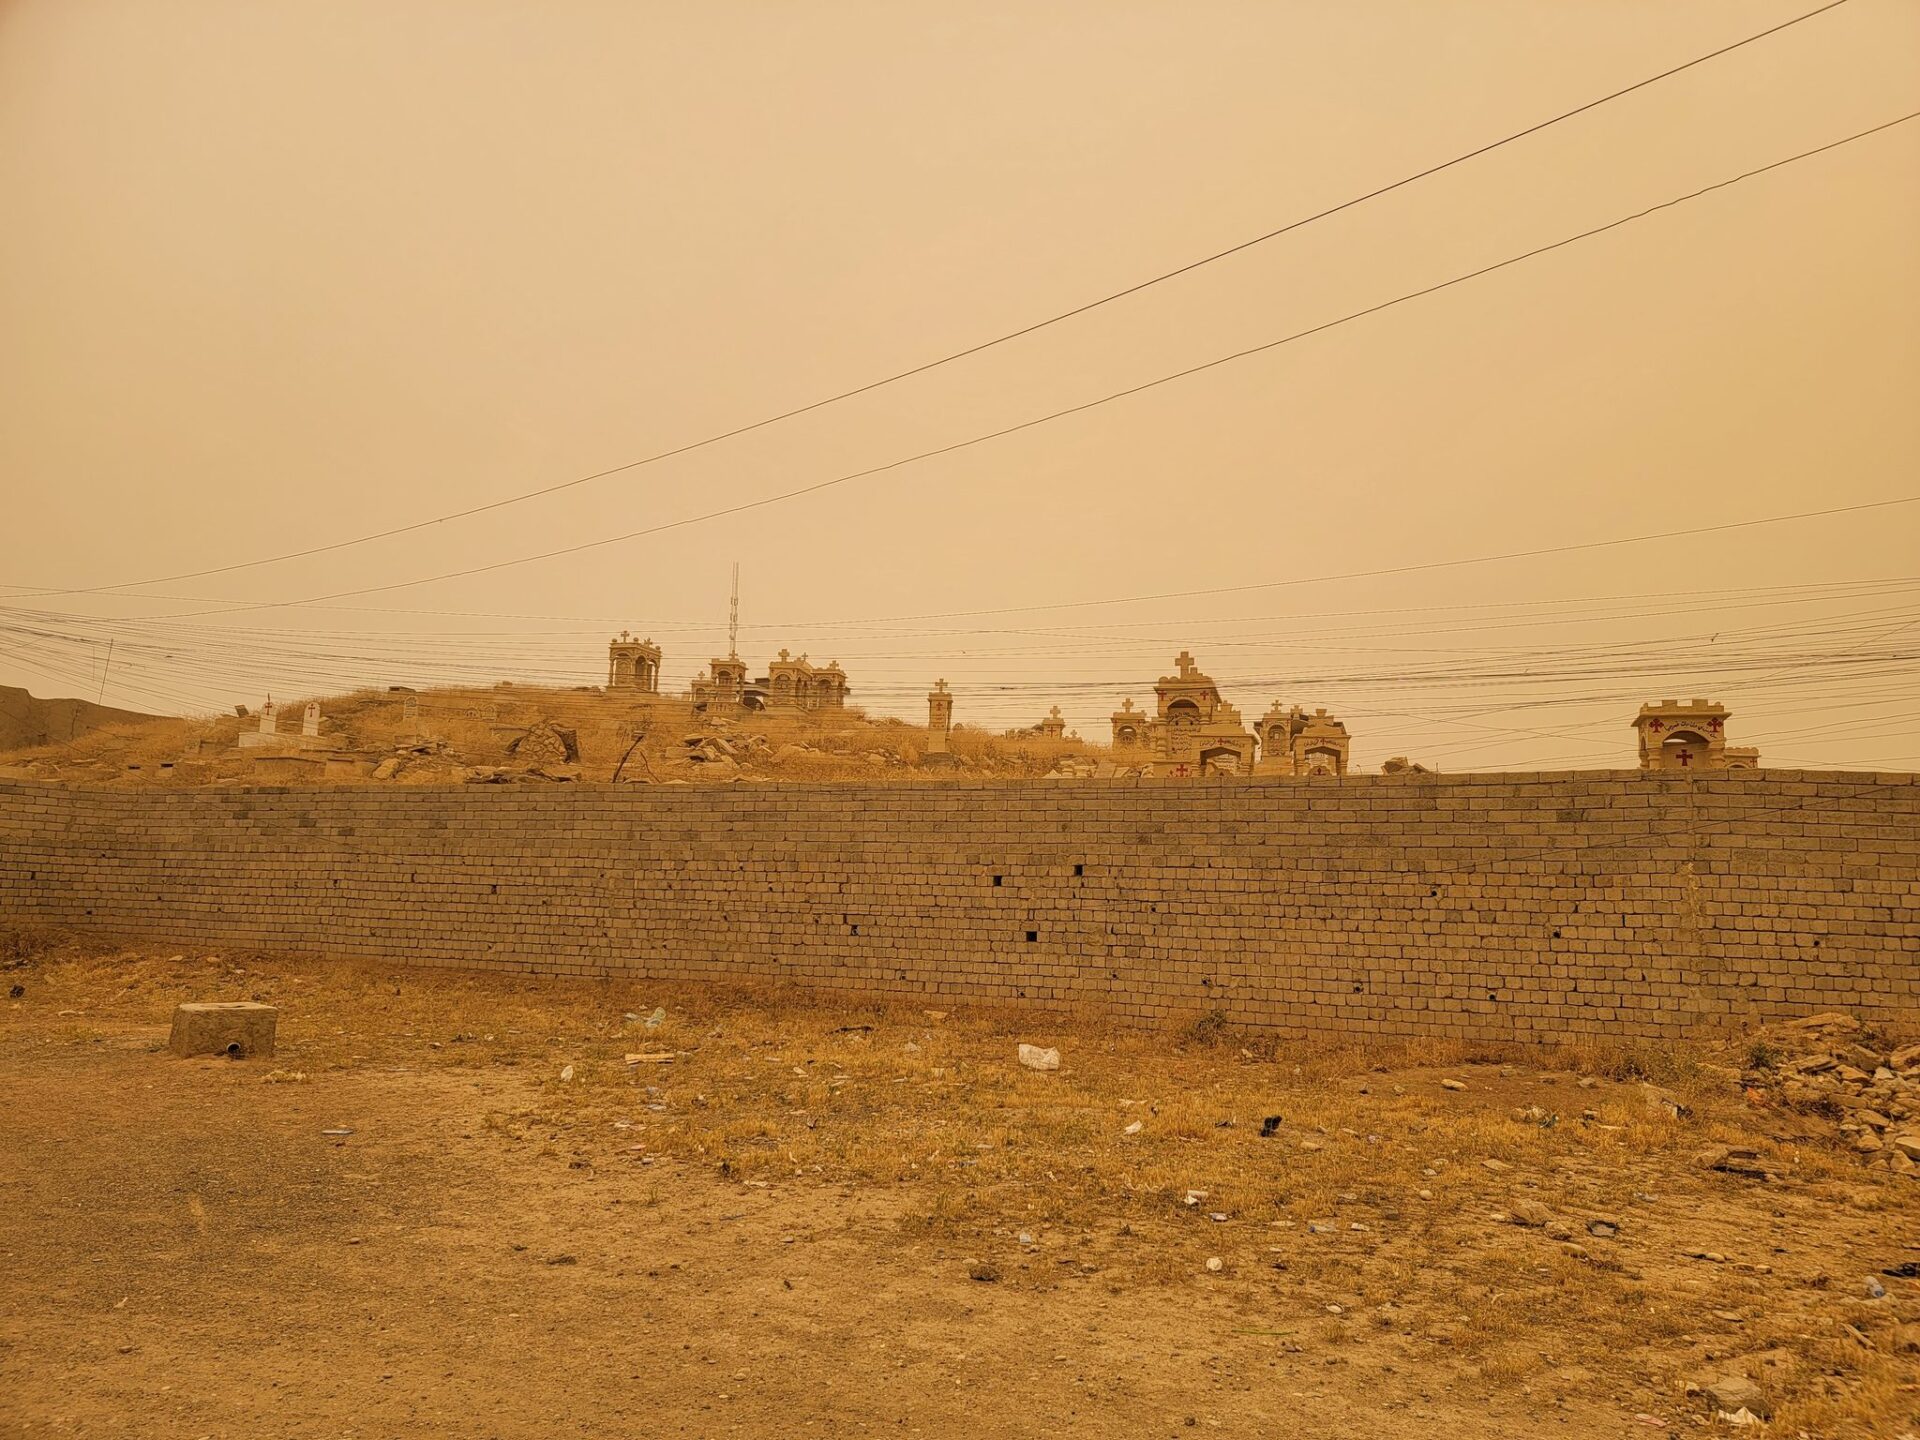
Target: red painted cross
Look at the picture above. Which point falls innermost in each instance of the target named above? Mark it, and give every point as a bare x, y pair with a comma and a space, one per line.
1655, 726
1685, 758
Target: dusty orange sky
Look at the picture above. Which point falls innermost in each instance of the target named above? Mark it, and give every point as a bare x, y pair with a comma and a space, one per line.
276, 274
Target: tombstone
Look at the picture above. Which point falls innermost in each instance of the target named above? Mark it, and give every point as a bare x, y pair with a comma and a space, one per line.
939, 723
266, 731
310, 722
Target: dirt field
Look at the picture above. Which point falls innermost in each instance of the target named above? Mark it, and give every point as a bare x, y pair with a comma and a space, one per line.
816, 1220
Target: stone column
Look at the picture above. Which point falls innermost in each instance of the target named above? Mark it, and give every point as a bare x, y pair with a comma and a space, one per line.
939, 719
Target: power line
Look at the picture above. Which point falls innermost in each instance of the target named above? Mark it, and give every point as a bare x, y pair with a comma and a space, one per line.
975, 349
1132, 390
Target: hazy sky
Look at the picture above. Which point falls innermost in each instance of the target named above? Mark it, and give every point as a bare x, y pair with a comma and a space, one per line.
278, 274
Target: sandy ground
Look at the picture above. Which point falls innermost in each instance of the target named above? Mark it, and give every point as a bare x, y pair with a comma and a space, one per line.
777, 1230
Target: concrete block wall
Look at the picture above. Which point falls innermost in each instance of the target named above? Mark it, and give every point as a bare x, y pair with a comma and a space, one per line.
1506, 907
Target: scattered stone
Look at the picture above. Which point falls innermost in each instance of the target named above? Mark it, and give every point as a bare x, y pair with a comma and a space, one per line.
1451, 1084
1732, 1393
566, 1073
1036, 1058
1875, 1290
563, 1260
1134, 1129
983, 1272
1215, 1264
1499, 1167
1270, 1127
1603, 1228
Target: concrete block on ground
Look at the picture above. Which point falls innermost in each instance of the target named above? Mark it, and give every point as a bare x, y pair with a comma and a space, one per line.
237, 1028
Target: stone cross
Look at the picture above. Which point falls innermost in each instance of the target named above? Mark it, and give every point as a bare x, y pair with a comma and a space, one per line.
1185, 662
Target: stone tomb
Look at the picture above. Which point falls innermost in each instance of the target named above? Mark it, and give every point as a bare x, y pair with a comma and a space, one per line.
239, 1029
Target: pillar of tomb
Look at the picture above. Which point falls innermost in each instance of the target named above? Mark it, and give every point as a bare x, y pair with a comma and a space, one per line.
939, 724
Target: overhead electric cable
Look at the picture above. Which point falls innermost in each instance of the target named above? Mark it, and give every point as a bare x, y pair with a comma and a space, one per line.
970, 350
1146, 385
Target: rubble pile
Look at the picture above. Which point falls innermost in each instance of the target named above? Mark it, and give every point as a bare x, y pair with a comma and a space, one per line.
1836, 1067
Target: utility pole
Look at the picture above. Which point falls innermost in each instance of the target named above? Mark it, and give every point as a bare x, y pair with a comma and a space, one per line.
733, 617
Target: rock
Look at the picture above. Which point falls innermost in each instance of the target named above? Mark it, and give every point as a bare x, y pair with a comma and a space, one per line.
1036, 1058
1530, 1213
566, 1073
1215, 1264
1451, 1084
1499, 1167
1908, 1145
1660, 1102
1134, 1129
1732, 1393
1559, 1230
1875, 1290
237, 1029
1603, 1227
1905, 1340
1733, 1161
657, 1018
1270, 1127
1831, 1020
983, 1272
1905, 1060
387, 768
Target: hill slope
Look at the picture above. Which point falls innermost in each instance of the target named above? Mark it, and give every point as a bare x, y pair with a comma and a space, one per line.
26, 720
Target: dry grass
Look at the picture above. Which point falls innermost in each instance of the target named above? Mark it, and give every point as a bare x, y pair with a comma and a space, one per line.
1375, 1194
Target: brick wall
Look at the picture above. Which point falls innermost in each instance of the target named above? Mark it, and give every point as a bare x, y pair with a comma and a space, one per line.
1487, 907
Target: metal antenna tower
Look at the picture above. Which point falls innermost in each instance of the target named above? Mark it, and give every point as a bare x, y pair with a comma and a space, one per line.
733, 617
